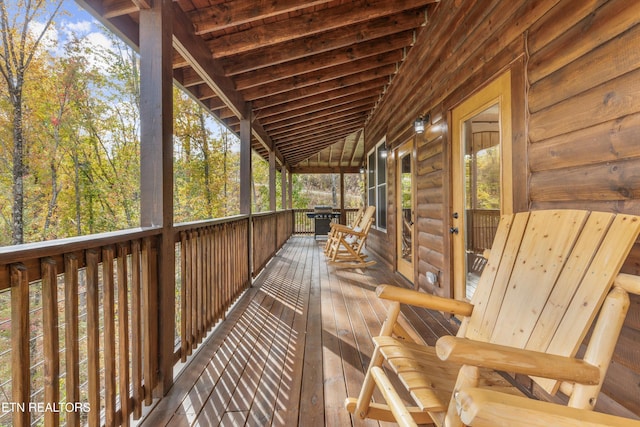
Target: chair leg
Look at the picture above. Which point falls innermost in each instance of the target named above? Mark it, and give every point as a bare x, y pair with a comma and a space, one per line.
467, 377
368, 385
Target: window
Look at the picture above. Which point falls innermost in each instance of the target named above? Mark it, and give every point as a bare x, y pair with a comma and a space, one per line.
377, 183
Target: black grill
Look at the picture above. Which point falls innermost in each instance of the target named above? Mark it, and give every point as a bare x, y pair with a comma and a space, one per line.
322, 216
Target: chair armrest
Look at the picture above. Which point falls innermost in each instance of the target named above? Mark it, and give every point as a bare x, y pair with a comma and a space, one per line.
511, 359
424, 300
342, 227
484, 408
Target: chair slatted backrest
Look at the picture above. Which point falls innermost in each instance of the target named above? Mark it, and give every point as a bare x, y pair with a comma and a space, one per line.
546, 278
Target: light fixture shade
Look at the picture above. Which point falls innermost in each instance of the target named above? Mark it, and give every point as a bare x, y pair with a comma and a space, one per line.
362, 169
418, 125
383, 151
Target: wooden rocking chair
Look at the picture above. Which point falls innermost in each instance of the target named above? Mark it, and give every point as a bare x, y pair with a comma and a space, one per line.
549, 274
354, 223
346, 245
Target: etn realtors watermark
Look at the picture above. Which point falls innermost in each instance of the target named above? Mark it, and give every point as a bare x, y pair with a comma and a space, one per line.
42, 407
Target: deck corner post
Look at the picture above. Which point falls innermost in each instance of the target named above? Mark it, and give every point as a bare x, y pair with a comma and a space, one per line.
156, 175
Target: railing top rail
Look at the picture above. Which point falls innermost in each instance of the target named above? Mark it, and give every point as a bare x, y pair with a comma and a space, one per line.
184, 226
28, 251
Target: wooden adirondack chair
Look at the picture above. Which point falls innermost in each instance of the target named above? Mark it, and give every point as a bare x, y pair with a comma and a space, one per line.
332, 232
549, 274
345, 248
486, 408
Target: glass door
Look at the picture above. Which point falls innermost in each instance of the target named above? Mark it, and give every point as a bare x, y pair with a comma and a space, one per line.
405, 210
481, 168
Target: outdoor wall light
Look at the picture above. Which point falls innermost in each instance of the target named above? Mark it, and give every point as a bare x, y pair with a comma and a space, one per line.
383, 151
362, 169
420, 123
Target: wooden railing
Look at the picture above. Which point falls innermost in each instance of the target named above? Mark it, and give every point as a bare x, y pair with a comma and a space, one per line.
265, 244
79, 312
482, 225
305, 225
79, 317
301, 223
214, 270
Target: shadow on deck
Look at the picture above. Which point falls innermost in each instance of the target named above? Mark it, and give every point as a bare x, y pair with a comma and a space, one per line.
295, 345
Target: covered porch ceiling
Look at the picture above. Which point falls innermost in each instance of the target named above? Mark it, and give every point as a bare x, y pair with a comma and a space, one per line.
311, 72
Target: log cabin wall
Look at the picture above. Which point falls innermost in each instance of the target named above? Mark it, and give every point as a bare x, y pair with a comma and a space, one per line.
576, 127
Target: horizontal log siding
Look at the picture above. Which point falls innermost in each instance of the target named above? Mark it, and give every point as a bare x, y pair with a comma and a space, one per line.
576, 125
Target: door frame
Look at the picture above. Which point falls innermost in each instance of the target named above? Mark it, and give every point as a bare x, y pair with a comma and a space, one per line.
402, 266
497, 91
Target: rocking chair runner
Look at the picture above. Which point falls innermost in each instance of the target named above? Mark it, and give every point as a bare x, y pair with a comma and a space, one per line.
346, 245
548, 275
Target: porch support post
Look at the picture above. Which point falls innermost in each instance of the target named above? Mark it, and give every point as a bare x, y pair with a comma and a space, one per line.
245, 162
156, 178
283, 185
272, 180
290, 177
343, 218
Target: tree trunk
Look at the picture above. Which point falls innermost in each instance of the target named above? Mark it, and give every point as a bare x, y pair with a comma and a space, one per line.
17, 229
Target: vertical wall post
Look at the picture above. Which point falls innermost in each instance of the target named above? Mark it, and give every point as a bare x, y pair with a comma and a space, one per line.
272, 180
343, 216
290, 177
283, 185
245, 180
156, 173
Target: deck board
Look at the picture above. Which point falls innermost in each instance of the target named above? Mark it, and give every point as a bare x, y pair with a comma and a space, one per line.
292, 348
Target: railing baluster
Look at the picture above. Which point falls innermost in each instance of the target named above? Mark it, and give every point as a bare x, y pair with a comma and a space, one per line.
136, 335
149, 319
184, 344
72, 354
51, 343
108, 312
123, 333
20, 369
93, 338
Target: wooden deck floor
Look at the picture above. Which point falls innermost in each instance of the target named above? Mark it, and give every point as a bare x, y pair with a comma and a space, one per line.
295, 345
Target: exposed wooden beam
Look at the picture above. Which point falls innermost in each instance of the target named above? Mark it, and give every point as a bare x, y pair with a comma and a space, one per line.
324, 42
270, 33
355, 146
323, 169
121, 7
224, 15
195, 51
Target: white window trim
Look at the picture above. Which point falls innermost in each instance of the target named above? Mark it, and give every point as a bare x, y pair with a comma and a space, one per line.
377, 185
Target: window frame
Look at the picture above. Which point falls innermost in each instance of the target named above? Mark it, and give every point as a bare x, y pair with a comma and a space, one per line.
377, 184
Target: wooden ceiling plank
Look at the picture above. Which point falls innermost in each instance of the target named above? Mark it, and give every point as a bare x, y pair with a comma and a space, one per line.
305, 97
357, 118
323, 61
301, 126
324, 42
313, 137
317, 110
346, 14
362, 70
224, 15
